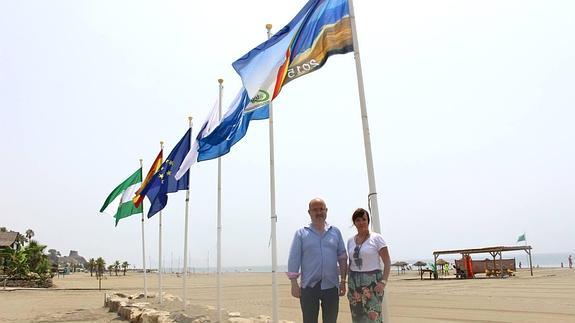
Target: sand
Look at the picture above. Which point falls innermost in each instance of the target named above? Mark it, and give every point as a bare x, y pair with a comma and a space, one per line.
549, 296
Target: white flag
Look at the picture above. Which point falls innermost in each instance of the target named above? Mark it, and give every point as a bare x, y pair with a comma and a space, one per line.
209, 125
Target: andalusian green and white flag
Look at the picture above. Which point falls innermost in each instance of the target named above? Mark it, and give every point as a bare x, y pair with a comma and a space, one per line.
119, 202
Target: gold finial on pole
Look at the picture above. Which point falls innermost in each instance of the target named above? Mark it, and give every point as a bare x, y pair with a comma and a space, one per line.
220, 81
190, 120
269, 26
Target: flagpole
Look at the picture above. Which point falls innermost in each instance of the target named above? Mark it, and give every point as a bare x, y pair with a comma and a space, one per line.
219, 229
273, 207
372, 196
184, 296
144, 245
160, 248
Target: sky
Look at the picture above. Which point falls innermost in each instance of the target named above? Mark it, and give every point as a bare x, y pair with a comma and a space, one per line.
470, 109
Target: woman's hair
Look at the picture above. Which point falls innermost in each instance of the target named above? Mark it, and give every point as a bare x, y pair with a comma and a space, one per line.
358, 213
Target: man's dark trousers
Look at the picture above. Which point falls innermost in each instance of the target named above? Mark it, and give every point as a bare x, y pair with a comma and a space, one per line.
310, 299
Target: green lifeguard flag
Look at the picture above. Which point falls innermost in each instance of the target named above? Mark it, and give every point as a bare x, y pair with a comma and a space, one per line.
521, 238
119, 202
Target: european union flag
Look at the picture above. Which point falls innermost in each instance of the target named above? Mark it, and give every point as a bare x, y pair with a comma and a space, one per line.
232, 128
164, 181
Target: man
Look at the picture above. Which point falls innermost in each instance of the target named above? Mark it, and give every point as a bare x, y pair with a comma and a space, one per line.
317, 249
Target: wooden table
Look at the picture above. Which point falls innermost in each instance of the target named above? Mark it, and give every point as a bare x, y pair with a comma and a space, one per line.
425, 271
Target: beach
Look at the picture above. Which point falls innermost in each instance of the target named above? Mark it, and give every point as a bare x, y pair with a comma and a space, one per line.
548, 296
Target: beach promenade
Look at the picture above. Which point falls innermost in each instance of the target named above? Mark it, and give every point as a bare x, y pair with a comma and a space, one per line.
549, 296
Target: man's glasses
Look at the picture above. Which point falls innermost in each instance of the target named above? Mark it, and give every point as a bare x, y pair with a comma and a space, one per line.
356, 259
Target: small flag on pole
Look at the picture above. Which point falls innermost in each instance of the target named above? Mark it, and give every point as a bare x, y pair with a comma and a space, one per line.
153, 170
123, 194
521, 238
191, 158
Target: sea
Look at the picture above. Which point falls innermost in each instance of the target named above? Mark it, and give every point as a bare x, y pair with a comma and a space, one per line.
545, 260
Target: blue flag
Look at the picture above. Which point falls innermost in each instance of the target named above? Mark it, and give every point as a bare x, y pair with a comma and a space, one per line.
164, 181
232, 128
322, 28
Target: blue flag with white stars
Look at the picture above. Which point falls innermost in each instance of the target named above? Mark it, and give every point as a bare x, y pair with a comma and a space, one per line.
164, 181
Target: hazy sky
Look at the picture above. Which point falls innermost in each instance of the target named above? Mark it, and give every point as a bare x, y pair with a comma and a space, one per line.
470, 107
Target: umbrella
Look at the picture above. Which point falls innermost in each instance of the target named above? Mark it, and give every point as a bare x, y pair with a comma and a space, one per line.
441, 262
440, 266
420, 264
399, 264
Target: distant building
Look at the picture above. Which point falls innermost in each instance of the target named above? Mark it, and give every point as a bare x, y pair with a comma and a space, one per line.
74, 259
9, 240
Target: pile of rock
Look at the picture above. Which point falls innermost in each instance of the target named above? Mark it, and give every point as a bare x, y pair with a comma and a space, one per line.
27, 283
135, 312
135, 309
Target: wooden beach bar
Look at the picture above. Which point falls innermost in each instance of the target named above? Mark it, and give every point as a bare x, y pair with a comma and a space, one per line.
497, 267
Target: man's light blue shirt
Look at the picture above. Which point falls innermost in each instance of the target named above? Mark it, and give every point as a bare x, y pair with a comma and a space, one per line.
316, 254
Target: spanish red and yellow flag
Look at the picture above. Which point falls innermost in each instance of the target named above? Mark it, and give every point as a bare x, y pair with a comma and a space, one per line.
153, 170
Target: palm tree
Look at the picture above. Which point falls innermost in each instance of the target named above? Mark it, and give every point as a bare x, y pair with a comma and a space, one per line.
3, 229
36, 257
20, 241
18, 264
125, 266
110, 268
29, 234
53, 254
116, 266
100, 266
91, 266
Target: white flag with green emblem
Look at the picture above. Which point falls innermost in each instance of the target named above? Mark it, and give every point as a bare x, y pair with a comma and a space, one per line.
119, 202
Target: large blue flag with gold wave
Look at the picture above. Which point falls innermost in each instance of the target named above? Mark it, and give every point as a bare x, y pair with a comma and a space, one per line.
322, 28
164, 180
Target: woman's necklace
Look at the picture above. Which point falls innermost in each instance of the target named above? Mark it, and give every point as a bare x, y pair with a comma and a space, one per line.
360, 240
359, 244
356, 258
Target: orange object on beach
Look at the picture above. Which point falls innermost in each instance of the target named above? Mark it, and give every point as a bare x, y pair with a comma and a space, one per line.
469, 266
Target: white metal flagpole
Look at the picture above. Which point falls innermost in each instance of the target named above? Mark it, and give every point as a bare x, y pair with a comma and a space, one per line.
160, 292
144, 246
274, 218
372, 196
219, 228
184, 296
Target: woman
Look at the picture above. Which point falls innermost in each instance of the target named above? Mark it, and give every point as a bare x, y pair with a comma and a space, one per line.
366, 281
